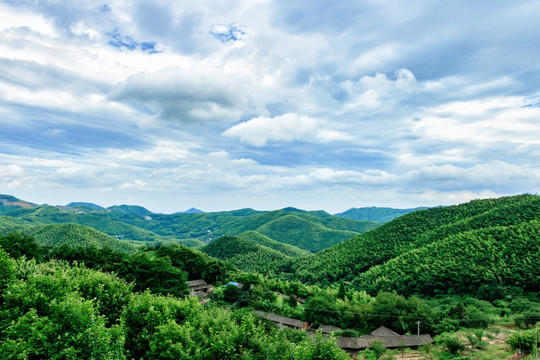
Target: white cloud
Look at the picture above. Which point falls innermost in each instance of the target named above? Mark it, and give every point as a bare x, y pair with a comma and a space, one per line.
285, 128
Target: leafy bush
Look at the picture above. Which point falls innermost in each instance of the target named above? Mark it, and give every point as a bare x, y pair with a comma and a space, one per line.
522, 340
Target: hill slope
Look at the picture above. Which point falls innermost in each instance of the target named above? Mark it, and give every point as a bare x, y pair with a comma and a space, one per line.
130, 209
75, 235
302, 233
286, 249
484, 260
246, 255
349, 259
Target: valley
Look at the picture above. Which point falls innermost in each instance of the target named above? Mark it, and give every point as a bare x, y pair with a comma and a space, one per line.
467, 276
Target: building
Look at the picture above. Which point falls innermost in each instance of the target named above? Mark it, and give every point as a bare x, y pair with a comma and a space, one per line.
282, 321
389, 339
327, 329
199, 288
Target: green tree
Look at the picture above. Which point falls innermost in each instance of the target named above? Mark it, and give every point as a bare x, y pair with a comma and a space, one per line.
17, 244
378, 348
232, 293
341, 292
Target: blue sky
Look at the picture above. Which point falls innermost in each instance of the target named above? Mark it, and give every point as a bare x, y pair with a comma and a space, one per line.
268, 103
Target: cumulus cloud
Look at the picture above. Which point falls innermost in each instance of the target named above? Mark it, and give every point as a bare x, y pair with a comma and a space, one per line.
183, 95
268, 103
284, 128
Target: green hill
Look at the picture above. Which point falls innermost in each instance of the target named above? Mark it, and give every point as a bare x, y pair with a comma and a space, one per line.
307, 235
286, 249
135, 223
76, 235
9, 224
246, 255
130, 209
377, 214
349, 259
85, 205
475, 261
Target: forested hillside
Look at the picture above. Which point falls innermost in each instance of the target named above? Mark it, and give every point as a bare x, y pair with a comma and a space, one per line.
76, 235
414, 231
246, 255
258, 238
309, 230
481, 262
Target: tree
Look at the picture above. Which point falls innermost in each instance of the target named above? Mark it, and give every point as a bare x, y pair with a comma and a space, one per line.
231, 293
341, 293
378, 348
17, 244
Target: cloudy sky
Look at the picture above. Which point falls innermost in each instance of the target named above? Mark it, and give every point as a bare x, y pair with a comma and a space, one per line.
220, 104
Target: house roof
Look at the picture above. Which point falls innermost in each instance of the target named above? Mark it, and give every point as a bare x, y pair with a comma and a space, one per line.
363, 342
384, 331
328, 329
194, 283
280, 319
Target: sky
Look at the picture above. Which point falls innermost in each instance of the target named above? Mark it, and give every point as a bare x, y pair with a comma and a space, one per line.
221, 104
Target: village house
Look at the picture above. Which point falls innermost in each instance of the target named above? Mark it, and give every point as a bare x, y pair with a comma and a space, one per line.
282, 321
389, 339
199, 288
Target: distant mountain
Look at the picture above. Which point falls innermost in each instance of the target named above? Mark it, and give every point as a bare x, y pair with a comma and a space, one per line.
378, 214
307, 230
192, 211
84, 205
8, 200
410, 246
130, 209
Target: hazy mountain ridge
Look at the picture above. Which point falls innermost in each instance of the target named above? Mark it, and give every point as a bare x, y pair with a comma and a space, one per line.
377, 214
308, 230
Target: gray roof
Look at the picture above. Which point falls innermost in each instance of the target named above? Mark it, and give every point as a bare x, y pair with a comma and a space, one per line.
280, 319
384, 331
363, 342
327, 329
194, 283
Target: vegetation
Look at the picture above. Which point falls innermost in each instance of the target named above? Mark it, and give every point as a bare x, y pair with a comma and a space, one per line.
407, 236
58, 311
76, 235
68, 291
137, 224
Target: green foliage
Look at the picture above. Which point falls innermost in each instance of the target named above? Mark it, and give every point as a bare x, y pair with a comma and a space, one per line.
286, 249
378, 348
246, 255
341, 292
231, 293
305, 234
410, 247
450, 342
7, 270
17, 244
154, 273
500, 255
522, 340
145, 313
76, 235
198, 265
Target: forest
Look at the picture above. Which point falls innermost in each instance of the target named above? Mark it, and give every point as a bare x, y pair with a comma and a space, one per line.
466, 273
